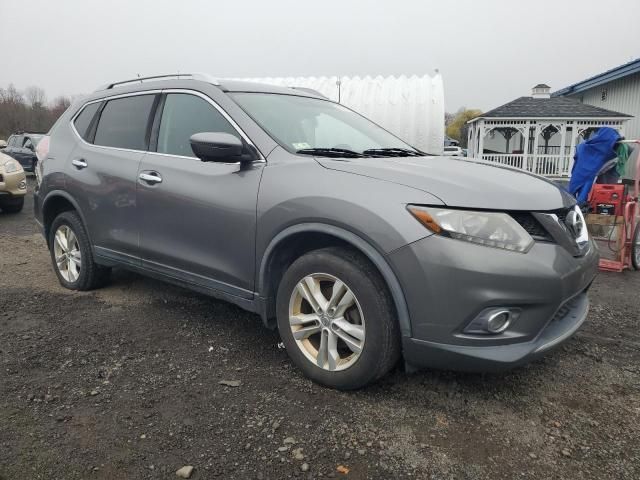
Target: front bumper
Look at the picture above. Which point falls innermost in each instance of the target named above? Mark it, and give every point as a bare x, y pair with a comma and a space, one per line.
12, 184
447, 283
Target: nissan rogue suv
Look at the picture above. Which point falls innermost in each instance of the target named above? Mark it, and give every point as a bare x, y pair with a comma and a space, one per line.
357, 247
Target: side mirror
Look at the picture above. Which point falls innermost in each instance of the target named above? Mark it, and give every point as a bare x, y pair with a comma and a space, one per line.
220, 147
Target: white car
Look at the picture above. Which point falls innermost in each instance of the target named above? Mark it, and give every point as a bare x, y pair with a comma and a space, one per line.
453, 151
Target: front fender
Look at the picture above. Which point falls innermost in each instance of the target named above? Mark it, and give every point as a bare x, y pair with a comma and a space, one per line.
376, 257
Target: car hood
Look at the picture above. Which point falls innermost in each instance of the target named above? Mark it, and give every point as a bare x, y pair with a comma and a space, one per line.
460, 182
4, 158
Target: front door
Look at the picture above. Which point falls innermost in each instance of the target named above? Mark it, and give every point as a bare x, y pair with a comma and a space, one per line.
197, 219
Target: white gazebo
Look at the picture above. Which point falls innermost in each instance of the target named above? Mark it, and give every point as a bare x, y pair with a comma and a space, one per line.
539, 133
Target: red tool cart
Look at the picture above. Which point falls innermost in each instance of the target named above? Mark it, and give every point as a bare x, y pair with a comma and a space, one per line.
614, 220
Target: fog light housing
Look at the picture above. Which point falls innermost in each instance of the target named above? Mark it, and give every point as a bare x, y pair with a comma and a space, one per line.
22, 185
499, 321
493, 321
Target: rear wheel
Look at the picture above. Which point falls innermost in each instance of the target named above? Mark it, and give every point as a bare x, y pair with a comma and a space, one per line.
72, 256
635, 248
336, 319
14, 205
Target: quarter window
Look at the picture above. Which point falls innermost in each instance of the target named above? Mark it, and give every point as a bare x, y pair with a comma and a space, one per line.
182, 116
123, 122
83, 121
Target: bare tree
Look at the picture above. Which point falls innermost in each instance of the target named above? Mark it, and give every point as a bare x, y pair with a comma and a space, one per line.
28, 111
35, 97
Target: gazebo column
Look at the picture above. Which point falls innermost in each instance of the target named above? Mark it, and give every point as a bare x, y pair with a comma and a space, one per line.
481, 134
535, 148
525, 143
574, 136
563, 143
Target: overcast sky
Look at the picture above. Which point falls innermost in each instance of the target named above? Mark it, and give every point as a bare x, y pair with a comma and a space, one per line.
488, 51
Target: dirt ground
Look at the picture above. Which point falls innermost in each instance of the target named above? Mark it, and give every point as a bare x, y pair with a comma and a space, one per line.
124, 382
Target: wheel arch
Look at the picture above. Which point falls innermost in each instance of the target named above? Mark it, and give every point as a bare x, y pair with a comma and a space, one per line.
299, 239
56, 202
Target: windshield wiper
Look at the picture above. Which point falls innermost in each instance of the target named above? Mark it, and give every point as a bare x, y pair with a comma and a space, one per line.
392, 152
330, 152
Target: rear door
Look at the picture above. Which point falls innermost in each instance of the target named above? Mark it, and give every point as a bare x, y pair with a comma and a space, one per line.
102, 171
197, 219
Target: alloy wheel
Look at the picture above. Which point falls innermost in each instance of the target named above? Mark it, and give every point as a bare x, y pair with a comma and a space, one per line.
327, 322
67, 254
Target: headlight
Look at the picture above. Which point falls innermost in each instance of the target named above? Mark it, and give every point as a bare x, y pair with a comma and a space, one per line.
11, 167
492, 229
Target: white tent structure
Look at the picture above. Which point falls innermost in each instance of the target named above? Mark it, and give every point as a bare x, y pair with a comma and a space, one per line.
412, 107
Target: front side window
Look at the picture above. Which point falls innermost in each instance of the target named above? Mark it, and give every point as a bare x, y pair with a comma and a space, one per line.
184, 115
302, 124
123, 122
83, 121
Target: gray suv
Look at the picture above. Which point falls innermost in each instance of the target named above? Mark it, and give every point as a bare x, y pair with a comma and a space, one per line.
357, 247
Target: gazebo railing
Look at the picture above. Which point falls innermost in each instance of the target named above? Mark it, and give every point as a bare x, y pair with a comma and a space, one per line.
546, 165
508, 159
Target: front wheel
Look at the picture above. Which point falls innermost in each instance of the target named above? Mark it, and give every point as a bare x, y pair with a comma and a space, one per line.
336, 319
635, 248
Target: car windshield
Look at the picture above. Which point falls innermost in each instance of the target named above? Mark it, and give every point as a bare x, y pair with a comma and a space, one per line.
35, 139
320, 127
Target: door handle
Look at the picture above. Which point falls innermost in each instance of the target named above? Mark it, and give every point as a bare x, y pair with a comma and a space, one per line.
150, 177
79, 163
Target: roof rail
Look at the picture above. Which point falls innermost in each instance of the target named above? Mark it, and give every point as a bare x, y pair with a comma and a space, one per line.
192, 76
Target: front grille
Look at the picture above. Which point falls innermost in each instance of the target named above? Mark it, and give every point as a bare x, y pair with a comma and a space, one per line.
562, 214
532, 226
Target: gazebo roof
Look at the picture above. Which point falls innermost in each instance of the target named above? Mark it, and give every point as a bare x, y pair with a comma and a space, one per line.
554, 107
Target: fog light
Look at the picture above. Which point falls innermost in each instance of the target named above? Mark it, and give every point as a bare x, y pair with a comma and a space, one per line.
499, 321
22, 185
493, 320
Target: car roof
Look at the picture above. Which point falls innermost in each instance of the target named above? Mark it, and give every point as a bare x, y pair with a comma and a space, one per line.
170, 81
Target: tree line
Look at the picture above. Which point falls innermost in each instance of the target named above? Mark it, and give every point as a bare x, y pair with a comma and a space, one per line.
28, 110
456, 124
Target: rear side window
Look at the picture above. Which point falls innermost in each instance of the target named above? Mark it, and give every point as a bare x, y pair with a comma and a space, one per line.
123, 122
182, 116
83, 121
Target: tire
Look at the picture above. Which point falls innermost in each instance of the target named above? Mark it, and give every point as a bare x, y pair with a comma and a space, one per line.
370, 316
635, 248
14, 205
85, 275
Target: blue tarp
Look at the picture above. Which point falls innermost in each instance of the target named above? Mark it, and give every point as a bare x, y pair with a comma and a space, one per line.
590, 156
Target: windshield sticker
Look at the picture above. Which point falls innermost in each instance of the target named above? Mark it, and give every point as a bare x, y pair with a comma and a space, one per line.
301, 145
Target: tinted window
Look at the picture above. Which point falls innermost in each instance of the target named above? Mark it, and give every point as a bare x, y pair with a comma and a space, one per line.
83, 121
182, 116
123, 122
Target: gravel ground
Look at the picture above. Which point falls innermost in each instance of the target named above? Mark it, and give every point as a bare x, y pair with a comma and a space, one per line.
125, 382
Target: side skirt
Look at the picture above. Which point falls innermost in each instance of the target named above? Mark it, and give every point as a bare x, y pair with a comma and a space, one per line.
242, 298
